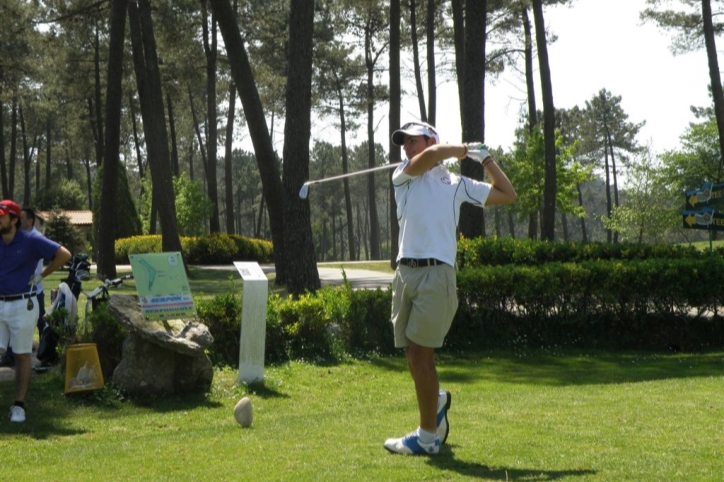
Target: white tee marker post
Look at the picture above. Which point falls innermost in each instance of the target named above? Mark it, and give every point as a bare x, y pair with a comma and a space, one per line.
253, 322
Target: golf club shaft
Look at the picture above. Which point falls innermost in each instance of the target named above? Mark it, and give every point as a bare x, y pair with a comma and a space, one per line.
355, 173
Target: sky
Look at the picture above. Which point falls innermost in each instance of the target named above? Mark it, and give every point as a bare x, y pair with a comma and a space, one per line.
602, 44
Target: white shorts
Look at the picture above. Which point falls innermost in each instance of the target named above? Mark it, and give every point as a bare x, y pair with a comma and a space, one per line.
17, 325
424, 302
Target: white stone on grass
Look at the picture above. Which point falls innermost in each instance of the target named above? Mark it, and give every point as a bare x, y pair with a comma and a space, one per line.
243, 413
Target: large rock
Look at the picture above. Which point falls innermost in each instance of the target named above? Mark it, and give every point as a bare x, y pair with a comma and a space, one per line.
184, 336
160, 357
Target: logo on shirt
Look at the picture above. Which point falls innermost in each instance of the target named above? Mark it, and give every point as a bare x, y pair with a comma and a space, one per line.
445, 180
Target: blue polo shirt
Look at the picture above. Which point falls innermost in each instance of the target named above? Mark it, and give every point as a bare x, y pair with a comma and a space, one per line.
19, 259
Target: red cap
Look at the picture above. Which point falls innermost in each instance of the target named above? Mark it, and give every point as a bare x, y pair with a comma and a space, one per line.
9, 207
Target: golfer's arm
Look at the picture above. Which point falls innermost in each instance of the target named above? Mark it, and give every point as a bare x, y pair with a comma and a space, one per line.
433, 155
62, 255
502, 191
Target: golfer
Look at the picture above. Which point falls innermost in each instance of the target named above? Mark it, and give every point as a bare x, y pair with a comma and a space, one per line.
424, 298
20, 252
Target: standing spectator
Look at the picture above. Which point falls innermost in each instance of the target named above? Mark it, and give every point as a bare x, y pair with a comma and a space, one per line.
20, 252
27, 223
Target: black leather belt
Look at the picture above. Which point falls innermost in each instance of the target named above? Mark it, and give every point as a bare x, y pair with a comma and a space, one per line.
17, 297
419, 262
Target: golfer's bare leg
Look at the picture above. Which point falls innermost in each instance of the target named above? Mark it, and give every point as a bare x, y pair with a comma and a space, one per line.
22, 375
420, 361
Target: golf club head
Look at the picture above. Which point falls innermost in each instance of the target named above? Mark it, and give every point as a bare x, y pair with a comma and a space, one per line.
304, 191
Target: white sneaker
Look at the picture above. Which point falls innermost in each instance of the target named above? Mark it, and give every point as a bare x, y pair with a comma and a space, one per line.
17, 414
411, 444
444, 400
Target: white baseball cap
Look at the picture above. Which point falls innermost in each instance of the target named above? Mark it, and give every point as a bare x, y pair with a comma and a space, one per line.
414, 129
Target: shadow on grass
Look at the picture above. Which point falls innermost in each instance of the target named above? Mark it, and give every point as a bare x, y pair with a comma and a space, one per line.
262, 390
446, 460
46, 412
569, 368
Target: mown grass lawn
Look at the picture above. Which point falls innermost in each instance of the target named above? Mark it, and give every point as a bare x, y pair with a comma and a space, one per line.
531, 416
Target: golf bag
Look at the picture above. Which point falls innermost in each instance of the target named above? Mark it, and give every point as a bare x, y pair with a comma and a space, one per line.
78, 271
65, 296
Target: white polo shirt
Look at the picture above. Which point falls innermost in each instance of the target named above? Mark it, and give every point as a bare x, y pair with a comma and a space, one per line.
428, 210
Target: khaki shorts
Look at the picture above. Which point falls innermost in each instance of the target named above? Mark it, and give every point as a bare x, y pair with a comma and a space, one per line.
424, 302
17, 325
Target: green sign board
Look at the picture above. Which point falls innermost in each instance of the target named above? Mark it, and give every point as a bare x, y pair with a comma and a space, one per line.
705, 218
162, 285
706, 195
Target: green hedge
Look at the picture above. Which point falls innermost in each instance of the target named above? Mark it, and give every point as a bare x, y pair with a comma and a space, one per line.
494, 251
320, 327
651, 303
633, 297
219, 248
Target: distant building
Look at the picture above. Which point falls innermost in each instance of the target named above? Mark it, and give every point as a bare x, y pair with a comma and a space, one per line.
83, 220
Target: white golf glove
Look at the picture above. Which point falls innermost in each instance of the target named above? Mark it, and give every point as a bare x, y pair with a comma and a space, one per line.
36, 279
477, 151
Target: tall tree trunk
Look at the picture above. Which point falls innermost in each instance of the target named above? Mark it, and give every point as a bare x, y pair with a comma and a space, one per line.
532, 109
431, 78
370, 61
459, 40
549, 125
37, 173
210, 48
345, 167
615, 177
192, 149
99, 101
714, 75
172, 130
260, 217
228, 181
472, 219
3, 167
13, 148
394, 123
197, 129
148, 79
584, 234
608, 193
89, 180
27, 159
136, 141
298, 241
111, 163
416, 62
254, 113
48, 156
68, 166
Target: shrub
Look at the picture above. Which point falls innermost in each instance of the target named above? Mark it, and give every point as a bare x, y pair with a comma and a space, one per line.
59, 229
212, 249
217, 248
494, 251
108, 335
222, 315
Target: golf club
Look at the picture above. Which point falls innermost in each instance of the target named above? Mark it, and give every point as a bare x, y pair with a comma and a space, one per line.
304, 191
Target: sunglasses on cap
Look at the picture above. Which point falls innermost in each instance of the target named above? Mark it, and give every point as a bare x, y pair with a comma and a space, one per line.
423, 125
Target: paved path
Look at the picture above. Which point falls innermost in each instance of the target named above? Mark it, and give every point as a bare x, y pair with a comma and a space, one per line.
359, 278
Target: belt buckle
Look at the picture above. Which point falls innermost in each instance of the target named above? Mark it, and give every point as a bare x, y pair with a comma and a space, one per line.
412, 263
